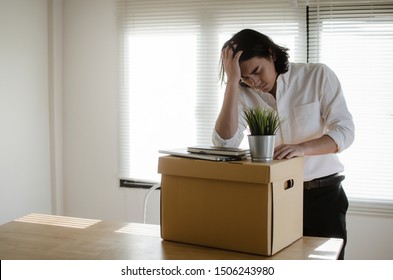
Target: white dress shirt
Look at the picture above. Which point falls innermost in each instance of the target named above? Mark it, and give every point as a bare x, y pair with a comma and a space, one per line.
310, 100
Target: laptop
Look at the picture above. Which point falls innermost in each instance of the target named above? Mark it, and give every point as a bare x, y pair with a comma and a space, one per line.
223, 151
182, 152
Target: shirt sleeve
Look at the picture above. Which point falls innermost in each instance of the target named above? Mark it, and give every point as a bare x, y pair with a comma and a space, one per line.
335, 112
232, 142
237, 138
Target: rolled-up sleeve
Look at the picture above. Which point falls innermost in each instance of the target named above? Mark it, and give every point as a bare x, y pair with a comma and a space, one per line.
339, 120
232, 142
343, 133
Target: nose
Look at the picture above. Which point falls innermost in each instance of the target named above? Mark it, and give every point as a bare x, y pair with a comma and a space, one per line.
254, 80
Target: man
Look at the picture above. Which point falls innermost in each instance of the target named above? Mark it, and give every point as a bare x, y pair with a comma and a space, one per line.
317, 122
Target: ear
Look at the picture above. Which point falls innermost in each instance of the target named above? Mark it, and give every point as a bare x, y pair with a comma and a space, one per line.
272, 55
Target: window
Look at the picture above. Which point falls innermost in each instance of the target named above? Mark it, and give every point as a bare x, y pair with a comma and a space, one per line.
356, 39
170, 90
171, 94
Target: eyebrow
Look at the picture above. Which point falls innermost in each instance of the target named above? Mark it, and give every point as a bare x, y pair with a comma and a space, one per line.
253, 72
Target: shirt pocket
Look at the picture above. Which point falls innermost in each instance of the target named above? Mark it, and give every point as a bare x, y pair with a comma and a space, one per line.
308, 120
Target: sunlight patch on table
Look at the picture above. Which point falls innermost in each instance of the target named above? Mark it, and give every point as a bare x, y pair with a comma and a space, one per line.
147, 229
62, 221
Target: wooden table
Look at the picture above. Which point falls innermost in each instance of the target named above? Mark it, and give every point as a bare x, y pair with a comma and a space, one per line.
38, 236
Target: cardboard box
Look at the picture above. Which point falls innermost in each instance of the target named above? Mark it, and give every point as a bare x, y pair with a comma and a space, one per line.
239, 205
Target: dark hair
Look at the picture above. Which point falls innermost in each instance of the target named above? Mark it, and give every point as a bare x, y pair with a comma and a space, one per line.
255, 44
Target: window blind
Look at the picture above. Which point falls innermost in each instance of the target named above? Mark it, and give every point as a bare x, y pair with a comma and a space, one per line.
355, 38
170, 93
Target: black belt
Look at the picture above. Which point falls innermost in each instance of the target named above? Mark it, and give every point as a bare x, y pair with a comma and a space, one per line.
328, 181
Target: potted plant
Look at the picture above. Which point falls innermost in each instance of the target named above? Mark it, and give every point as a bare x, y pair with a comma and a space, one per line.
263, 124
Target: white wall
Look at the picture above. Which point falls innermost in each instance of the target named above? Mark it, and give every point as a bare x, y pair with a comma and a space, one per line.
91, 183
90, 110
370, 236
55, 75
24, 111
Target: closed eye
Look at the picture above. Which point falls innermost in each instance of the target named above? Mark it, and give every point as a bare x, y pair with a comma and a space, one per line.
255, 71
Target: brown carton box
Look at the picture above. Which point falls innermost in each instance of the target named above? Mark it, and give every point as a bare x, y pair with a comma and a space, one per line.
239, 205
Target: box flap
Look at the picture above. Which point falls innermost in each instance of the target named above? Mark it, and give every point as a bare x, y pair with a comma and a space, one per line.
240, 171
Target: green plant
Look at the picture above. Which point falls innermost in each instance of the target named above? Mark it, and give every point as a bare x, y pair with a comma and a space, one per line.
262, 121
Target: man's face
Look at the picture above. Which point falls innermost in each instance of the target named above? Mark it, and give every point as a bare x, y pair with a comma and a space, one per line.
259, 73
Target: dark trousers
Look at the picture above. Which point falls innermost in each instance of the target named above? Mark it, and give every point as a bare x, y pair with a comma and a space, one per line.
324, 213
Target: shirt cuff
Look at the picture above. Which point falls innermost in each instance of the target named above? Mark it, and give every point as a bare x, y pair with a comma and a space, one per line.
232, 142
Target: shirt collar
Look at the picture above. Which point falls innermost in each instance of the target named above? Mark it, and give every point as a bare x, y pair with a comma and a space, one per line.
283, 79
287, 74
